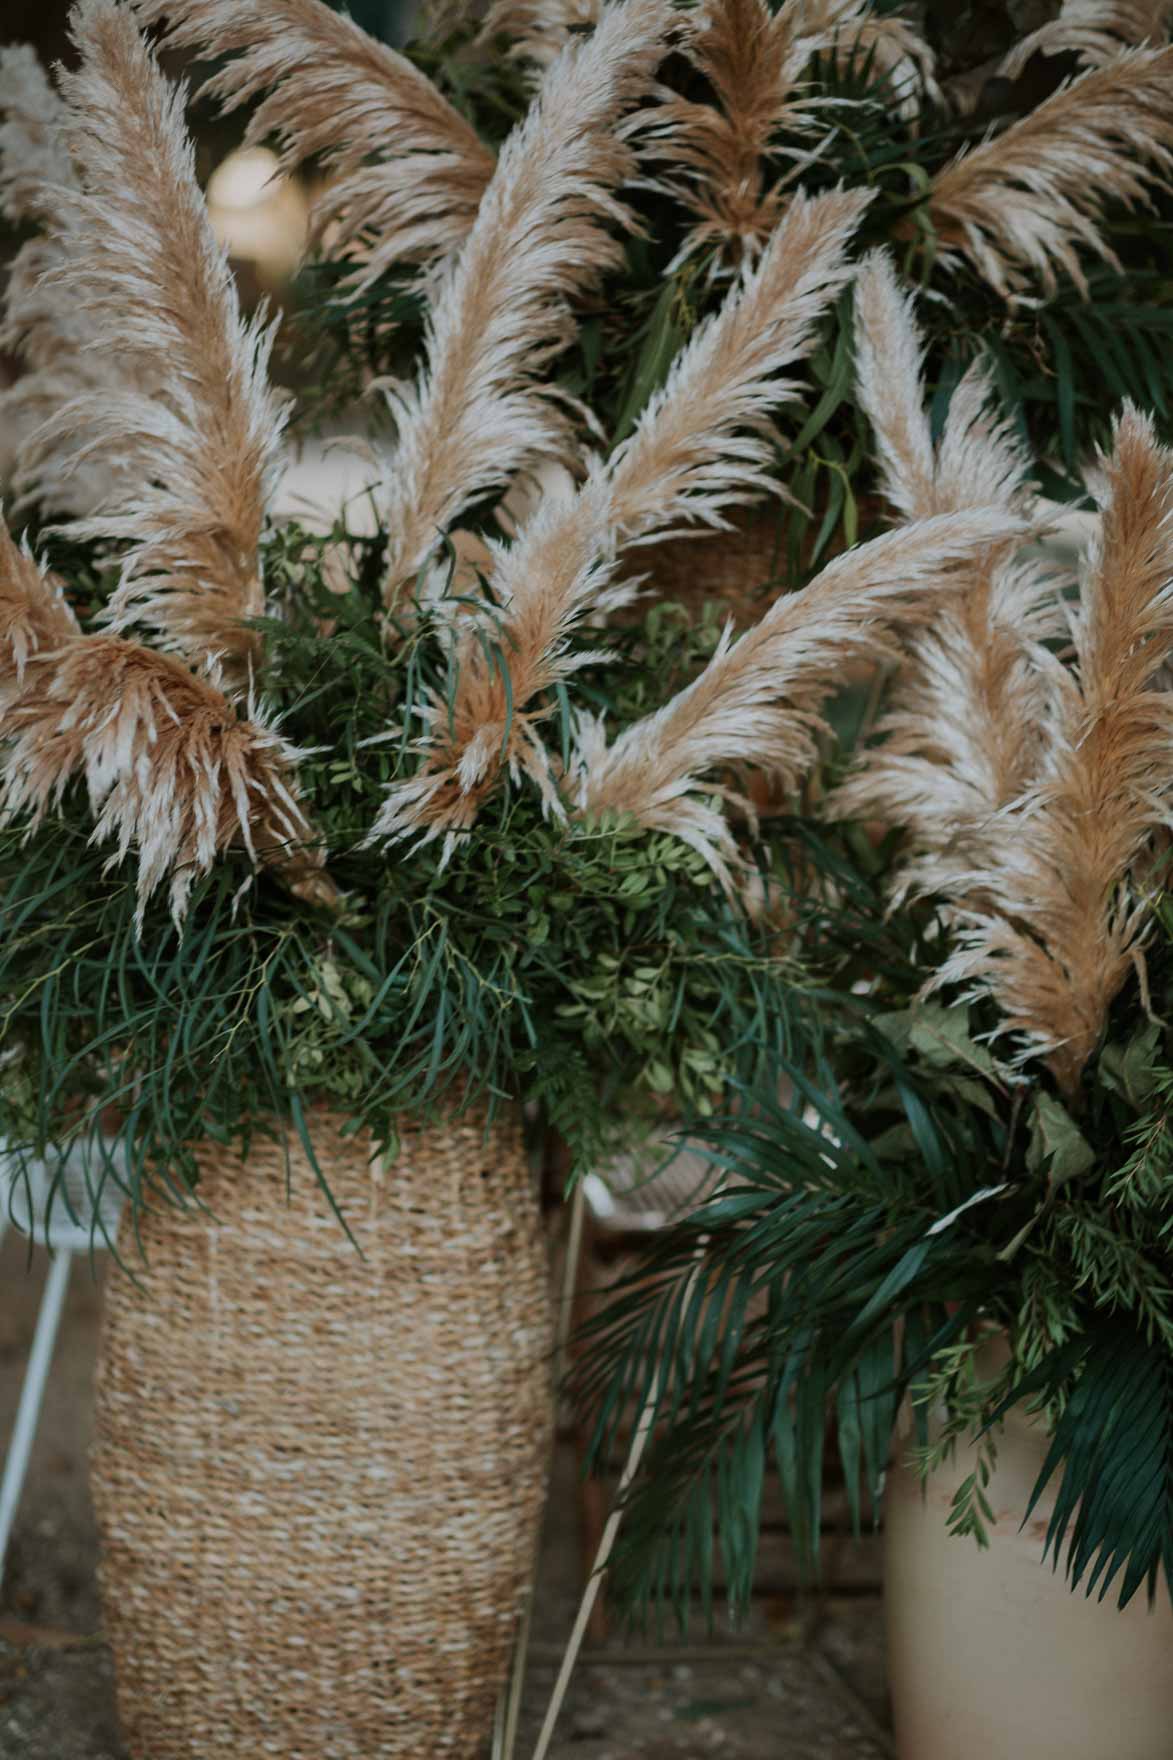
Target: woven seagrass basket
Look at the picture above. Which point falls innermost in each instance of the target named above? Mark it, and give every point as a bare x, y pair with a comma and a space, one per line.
740, 571
319, 1477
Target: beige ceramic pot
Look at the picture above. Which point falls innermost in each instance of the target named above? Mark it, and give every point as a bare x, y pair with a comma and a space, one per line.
990, 1654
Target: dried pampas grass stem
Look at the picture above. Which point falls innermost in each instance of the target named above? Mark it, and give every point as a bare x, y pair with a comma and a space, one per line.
1055, 920
703, 444
962, 735
758, 699
406, 170
1094, 30
172, 772
205, 437
1025, 203
476, 415
719, 153
42, 324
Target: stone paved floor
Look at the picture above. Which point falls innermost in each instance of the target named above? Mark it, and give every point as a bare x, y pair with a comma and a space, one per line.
799, 1682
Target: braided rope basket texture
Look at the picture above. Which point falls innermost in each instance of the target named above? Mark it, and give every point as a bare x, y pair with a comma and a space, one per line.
318, 1477
740, 571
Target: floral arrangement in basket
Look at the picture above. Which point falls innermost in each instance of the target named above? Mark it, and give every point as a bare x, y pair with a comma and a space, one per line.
292, 817
448, 809
978, 1142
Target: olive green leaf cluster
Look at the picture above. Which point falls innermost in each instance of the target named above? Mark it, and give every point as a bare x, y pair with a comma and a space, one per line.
885, 1207
597, 974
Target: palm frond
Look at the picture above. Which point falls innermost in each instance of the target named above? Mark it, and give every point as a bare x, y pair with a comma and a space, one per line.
886, 42
1112, 1520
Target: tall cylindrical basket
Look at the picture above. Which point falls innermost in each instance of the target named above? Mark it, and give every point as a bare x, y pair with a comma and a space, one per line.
319, 1476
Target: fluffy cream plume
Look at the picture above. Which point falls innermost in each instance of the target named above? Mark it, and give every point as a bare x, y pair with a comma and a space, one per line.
753, 60
42, 324
33, 155
406, 170
1023, 204
758, 698
706, 440
888, 42
1095, 30
206, 445
961, 739
476, 415
1063, 910
172, 771
704, 443
35, 616
539, 30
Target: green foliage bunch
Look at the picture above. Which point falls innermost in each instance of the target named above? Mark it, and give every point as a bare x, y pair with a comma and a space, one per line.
600, 976
887, 1206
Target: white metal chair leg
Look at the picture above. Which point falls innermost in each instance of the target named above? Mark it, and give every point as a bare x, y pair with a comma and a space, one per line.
32, 1393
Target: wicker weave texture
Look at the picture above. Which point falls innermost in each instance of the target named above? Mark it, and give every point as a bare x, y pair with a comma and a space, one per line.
319, 1478
740, 571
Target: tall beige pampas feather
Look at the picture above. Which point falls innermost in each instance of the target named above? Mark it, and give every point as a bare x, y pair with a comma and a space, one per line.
35, 617
539, 30
406, 169
42, 324
33, 156
206, 445
757, 701
172, 771
1095, 30
1021, 206
1062, 911
704, 443
962, 736
890, 43
477, 413
720, 152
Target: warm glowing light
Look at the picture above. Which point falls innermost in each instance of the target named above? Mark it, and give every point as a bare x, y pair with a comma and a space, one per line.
259, 215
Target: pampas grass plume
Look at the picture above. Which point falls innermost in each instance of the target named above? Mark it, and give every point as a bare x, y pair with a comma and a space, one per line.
1023, 205
406, 170
204, 433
